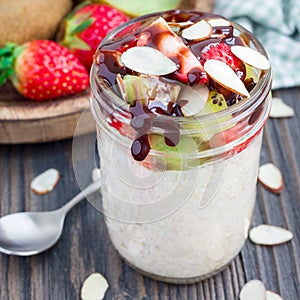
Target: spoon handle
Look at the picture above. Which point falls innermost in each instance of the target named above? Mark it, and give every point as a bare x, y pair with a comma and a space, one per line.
90, 189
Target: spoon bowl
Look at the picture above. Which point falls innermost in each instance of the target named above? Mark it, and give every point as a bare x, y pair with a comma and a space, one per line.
29, 233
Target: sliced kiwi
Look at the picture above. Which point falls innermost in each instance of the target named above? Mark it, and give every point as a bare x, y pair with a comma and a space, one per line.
215, 102
173, 158
204, 130
135, 8
147, 89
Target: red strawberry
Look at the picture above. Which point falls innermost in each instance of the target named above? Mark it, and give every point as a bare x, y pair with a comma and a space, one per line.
87, 26
221, 51
42, 70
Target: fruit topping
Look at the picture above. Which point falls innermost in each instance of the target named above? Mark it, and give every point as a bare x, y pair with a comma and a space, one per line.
222, 51
158, 95
225, 76
197, 32
147, 60
215, 102
171, 45
251, 57
180, 65
175, 157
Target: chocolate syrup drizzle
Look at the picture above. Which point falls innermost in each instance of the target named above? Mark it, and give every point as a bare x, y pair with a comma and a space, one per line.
143, 117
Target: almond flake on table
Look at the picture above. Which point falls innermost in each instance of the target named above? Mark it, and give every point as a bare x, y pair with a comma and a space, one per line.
45, 182
253, 290
271, 178
272, 296
94, 287
269, 235
96, 174
279, 109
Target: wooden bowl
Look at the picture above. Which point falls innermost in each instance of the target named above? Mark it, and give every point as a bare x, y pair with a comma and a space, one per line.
25, 121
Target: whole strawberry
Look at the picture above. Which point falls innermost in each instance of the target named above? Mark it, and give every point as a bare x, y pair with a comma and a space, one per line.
42, 70
85, 28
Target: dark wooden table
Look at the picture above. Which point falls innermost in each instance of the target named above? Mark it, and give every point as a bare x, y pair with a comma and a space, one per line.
84, 248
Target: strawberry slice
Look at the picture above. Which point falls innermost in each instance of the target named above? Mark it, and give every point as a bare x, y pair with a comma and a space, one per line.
221, 51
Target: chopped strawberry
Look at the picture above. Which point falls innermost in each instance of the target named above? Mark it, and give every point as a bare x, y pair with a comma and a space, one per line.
221, 51
232, 134
42, 70
87, 26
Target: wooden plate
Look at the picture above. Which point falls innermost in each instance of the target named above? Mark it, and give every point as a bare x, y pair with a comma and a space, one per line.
24, 121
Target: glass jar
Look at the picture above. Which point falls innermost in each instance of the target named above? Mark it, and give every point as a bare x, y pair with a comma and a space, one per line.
182, 215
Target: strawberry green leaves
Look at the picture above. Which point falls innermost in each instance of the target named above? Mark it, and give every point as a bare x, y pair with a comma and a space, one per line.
8, 54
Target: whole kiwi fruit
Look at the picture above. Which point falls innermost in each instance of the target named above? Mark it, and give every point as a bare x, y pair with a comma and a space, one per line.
27, 20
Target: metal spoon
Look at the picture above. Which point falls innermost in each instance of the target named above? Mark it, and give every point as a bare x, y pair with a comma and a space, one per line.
29, 233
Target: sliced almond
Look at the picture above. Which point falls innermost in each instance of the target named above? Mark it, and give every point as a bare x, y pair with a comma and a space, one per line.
197, 32
218, 22
218, 35
147, 60
177, 26
253, 290
279, 109
251, 57
269, 235
45, 182
224, 75
272, 296
193, 99
94, 287
181, 24
271, 178
96, 174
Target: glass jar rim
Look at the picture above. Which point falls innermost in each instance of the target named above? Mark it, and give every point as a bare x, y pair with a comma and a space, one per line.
240, 109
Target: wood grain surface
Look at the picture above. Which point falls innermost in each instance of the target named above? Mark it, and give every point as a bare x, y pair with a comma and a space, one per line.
85, 247
25, 121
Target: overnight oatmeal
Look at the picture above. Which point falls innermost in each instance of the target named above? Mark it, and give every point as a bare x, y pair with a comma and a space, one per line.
180, 99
